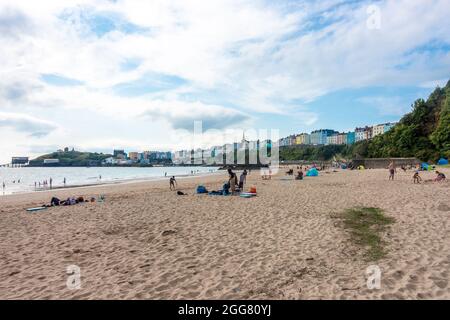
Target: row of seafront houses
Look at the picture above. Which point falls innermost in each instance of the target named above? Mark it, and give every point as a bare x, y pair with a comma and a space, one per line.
328, 136
120, 157
215, 154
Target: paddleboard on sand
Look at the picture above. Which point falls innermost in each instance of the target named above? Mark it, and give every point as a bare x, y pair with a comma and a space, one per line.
36, 209
247, 194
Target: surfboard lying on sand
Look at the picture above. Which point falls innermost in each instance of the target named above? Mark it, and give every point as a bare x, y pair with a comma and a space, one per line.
247, 194
36, 209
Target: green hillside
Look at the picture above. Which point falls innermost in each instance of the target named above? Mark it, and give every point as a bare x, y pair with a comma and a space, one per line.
72, 158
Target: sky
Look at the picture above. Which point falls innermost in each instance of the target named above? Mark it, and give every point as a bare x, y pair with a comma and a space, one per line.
101, 74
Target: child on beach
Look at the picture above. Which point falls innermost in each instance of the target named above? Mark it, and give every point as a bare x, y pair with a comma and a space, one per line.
173, 183
439, 176
416, 177
392, 171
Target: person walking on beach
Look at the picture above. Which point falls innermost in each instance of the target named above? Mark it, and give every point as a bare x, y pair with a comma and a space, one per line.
51, 182
64, 181
391, 170
4, 186
173, 183
35, 184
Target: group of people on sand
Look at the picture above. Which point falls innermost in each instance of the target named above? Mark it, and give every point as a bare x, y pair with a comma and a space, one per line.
416, 176
233, 180
439, 177
55, 202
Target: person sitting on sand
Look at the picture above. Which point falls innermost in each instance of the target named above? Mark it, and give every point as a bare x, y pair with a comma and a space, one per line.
299, 175
439, 176
416, 177
173, 183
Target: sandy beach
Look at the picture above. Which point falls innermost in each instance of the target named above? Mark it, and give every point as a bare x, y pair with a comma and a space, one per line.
145, 242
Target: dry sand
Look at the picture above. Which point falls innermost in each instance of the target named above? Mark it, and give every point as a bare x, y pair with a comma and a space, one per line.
146, 242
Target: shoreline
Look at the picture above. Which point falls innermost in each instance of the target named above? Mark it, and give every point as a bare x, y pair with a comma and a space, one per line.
110, 183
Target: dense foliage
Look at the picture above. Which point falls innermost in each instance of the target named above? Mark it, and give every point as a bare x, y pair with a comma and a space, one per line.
423, 133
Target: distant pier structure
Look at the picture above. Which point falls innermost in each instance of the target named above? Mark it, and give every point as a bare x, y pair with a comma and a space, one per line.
17, 162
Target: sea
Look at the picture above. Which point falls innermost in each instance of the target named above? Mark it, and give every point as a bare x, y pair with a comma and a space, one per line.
27, 179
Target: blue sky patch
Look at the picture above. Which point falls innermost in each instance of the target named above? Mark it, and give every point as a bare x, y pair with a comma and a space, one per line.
150, 83
56, 80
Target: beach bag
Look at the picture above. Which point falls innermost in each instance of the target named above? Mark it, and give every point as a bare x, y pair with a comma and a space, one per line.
226, 189
201, 189
253, 190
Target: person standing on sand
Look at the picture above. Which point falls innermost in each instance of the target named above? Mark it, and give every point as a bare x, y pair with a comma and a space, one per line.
173, 183
64, 181
232, 180
245, 173
392, 170
4, 186
51, 182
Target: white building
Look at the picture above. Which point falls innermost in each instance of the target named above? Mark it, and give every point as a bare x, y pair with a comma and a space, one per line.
332, 139
378, 129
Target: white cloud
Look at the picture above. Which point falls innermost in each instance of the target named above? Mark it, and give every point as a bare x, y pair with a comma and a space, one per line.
24, 123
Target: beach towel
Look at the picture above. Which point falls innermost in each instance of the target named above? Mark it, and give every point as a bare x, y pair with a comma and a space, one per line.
218, 193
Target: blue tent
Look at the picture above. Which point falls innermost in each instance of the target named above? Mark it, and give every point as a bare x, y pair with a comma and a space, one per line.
425, 166
442, 162
312, 172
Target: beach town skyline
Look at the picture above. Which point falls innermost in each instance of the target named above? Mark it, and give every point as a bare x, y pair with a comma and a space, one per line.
316, 137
